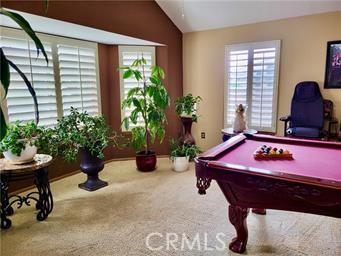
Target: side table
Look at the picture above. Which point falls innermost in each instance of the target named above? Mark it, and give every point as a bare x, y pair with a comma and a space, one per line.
36, 170
228, 133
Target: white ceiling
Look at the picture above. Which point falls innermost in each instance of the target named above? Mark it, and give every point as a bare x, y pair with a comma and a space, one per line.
196, 15
67, 29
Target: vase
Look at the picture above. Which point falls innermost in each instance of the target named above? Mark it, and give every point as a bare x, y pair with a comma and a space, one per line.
187, 137
91, 166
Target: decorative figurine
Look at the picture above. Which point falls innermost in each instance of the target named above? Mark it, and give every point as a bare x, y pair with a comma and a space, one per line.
239, 124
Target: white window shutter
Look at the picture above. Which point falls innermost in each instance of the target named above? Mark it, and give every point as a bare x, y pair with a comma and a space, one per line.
252, 80
58, 85
263, 86
237, 81
19, 101
127, 55
77, 68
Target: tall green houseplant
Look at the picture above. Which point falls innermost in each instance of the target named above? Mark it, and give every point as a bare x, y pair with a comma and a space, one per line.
148, 102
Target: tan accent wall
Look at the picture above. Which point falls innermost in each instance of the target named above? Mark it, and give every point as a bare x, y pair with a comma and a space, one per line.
303, 57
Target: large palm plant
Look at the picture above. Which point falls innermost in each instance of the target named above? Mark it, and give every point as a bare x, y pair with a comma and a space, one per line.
6, 63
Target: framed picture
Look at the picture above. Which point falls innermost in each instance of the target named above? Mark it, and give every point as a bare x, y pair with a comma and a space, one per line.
333, 66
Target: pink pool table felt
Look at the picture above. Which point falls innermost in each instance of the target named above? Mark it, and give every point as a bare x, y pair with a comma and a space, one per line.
308, 161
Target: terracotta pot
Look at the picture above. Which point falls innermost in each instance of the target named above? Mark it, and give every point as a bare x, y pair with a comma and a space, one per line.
91, 166
146, 162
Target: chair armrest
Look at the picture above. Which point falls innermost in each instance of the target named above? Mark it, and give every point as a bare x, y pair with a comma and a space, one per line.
285, 118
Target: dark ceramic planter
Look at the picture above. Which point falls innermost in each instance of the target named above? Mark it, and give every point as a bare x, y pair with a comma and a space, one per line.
187, 137
146, 162
91, 166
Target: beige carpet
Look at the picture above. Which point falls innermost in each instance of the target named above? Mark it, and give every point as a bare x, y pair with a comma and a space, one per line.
117, 219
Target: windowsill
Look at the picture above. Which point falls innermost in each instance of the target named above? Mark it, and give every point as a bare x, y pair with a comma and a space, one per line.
267, 133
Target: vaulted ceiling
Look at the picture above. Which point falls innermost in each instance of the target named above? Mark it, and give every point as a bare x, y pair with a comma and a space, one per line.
196, 15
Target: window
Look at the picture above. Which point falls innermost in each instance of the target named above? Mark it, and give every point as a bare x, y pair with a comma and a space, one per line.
252, 80
127, 54
19, 100
78, 79
69, 79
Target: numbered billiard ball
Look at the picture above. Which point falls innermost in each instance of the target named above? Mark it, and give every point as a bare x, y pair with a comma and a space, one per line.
286, 152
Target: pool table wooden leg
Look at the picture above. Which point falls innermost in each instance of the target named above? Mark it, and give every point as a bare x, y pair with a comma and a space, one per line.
203, 184
259, 211
237, 216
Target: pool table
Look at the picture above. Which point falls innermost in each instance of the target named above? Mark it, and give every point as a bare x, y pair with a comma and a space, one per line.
309, 183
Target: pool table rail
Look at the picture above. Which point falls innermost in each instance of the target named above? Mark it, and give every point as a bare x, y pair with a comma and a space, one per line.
210, 159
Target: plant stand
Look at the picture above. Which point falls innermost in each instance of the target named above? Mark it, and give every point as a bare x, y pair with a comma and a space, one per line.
91, 166
42, 197
187, 137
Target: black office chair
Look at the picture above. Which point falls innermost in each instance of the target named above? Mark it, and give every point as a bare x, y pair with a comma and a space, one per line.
307, 114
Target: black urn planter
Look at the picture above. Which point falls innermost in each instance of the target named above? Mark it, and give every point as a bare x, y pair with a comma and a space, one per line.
91, 166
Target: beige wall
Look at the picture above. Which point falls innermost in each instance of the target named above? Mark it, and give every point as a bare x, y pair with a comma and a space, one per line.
303, 57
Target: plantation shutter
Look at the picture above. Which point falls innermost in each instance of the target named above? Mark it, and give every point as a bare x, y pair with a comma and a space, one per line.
237, 81
20, 107
263, 87
77, 68
252, 80
127, 56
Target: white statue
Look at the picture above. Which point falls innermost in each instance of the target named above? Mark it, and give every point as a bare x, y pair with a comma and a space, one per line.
239, 124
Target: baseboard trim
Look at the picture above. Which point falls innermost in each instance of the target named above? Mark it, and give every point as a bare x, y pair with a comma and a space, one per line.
76, 172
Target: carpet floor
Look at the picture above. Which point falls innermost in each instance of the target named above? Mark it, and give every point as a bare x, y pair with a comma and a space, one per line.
161, 206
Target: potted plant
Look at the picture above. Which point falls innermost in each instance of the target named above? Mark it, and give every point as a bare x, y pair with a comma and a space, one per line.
6, 64
20, 142
181, 154
87, 135
186, 108
147, 102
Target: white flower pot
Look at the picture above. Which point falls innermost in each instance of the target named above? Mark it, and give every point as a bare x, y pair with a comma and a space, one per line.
180, 164
26, 155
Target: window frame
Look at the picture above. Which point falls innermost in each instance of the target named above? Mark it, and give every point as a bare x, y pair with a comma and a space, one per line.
55, 41
250, 47
130, 48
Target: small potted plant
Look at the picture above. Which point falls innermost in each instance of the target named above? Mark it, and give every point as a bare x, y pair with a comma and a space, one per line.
186, 108
147, 102
20, 142
181, 154
88, 135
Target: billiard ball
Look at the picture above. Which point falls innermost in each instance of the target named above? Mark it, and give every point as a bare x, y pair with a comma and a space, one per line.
272, 152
